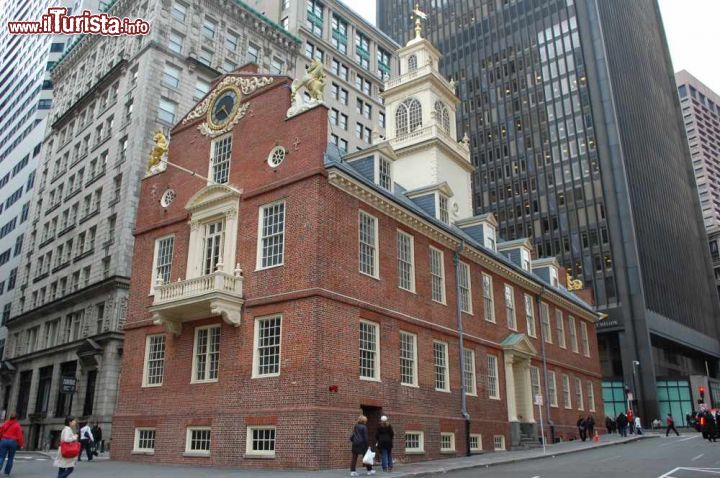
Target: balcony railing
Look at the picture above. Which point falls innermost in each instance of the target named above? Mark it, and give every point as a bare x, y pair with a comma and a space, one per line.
210, 295
433, 131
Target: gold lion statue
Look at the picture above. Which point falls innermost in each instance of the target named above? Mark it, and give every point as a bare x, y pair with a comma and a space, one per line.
313, 80
159, 150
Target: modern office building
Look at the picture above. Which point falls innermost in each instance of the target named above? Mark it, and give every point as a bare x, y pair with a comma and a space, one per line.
25, 100
357, 58
111, 95
270, 307
577, 136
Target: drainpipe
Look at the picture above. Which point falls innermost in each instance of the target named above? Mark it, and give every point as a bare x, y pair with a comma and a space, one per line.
461, 336
550, 422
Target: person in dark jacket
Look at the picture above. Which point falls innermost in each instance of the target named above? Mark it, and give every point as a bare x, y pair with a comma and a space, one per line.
97, 435
622, 423
384, 442
590, 426
609, 424
581, 428
710, 430
670, 425
360, 444
11, 439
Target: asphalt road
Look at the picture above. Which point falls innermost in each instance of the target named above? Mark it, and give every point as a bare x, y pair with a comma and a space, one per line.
686, 456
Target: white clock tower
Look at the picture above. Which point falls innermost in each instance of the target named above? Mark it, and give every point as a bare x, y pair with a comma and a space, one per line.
420, 106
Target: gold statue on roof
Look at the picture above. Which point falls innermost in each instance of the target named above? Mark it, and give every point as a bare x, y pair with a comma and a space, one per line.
158, 151
573, 284
313, 80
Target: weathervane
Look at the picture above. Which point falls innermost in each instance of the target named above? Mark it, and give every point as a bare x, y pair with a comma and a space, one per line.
418, 15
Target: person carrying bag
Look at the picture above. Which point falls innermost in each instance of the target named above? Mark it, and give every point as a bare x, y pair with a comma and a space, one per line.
361, 446
69, 449
11, 439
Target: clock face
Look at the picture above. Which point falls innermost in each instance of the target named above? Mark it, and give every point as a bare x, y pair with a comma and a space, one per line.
223, 108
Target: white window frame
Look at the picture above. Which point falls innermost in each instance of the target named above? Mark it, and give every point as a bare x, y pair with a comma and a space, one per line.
591, 395
249, 441
376, 371
207, 362
402, 261
510, 312
445, 367
579, 395
413, 359
440, 276
469, 372
545, 325
136, 441
204, 237
443, 208
584, 337
560, 328
488, 299
373, 247
499, 443
146, 361
530, 316
421, 442
262, 211
567, 397
478, 437
493, 378
535, 384
256, 347
572, 326
465, 288
213, 147
156, 256
552, 389
444, 449
188, 442
384, 173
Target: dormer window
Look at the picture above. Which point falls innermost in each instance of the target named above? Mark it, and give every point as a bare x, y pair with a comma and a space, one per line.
525, 259
384, 173
443, 211
412, 63
554, 277
442, 116
489, 236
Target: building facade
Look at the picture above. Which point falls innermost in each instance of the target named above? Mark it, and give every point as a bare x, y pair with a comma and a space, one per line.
577, 136
701, 115
357, 57
271, 306
25, 101
65, 330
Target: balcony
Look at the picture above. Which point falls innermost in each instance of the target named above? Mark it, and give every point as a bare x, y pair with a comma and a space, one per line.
213, 294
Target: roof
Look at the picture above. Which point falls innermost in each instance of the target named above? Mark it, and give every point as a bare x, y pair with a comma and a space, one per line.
333, 159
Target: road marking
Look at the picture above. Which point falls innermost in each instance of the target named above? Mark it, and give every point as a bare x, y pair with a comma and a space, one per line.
711, 471
698, 457
672, 442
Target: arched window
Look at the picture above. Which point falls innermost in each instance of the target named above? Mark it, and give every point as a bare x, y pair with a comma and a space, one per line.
412, 63
442, 115
408, 117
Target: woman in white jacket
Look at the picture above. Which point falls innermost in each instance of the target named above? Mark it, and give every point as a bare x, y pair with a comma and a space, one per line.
68, 435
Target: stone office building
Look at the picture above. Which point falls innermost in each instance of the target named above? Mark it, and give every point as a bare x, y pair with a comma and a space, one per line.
296, 289
110, 95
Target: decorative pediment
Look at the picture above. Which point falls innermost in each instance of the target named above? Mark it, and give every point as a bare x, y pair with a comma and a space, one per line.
518, 344
213, 196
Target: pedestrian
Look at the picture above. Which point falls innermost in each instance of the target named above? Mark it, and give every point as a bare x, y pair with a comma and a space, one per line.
68, 435
710, 427
590, 426
638, 426
384, 442
609, 424
11, 439
631, 421
622, 422
670, 425
97, 435
86, 440
581, 428
360, 445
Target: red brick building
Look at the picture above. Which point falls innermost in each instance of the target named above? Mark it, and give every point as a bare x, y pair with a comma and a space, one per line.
273, 304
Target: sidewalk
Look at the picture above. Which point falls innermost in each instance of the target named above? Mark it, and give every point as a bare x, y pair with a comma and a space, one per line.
131, 470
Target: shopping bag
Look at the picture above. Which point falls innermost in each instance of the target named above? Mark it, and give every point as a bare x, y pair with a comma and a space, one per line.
369, 457
70, 449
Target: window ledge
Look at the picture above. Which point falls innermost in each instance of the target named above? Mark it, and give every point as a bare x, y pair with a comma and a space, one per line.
368, 379
143, 452
410, 385
260, 268
448, 452
268, 375
72, 194
196, 454
201, 382
66, 230
414, 452
442, 390
259, 456
377, 278
89, 215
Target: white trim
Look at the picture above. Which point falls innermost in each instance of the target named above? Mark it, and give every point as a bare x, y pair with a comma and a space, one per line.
194, 357
465, 271
259, 255
591, 395
584, 338
136, 442
376, 245
547, 334
414, 342
579, 394
213, 145
472, 391
499, 442
560, 321
256, 355
489, 316
400, 232
249, 441
496, 372
552, 391
452, 442
156, 250
421, 442
442, 276
146, 363
188, 441
479, 442
530, 318
376, 372
572, 326
446, 368
567, 393
511, 326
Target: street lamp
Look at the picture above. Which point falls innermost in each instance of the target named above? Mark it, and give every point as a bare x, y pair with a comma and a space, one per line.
635, 363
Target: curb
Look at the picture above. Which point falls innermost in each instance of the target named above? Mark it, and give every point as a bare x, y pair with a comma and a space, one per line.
518, 459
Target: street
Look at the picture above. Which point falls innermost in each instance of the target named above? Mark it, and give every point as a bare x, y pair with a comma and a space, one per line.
675, 457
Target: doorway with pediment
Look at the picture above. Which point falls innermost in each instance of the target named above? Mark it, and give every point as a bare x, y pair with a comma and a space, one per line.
518, 351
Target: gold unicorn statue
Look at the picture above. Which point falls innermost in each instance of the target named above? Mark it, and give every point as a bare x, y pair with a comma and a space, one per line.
159, 150
313, 80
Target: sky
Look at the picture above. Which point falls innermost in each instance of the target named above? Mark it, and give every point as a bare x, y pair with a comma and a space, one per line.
692, 28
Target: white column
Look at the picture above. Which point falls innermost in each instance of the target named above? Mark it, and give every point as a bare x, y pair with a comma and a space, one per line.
529, 409
510, 388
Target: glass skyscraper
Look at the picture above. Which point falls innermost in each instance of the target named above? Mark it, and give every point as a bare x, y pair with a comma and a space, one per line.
578, 143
